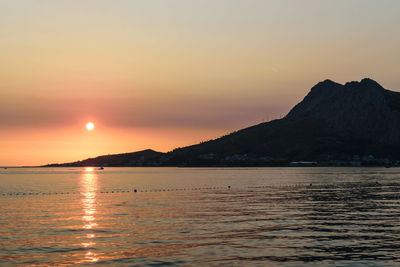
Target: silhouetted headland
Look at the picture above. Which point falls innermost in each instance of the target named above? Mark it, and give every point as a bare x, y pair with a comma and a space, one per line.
355, 124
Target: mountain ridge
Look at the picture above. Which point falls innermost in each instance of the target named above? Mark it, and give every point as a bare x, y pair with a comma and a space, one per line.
333, 123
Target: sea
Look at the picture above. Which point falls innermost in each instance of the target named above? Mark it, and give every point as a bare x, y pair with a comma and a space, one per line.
305, 216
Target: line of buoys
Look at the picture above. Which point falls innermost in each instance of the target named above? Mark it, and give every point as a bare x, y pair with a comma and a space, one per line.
342, 185
112, 191
308, 186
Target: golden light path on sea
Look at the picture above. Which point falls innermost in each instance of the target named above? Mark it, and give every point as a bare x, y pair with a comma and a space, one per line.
89, 186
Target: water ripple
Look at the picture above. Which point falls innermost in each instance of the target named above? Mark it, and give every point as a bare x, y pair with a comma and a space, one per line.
252, 222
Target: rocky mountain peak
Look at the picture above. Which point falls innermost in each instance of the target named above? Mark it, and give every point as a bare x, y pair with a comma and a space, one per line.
364, 84
362, 109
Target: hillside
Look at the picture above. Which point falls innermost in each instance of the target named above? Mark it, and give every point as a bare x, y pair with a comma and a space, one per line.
334, 122
141, 158
354, 123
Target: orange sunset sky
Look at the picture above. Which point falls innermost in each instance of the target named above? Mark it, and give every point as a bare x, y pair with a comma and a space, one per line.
163, 74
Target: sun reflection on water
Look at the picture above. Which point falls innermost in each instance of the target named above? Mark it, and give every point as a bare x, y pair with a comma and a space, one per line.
88, 189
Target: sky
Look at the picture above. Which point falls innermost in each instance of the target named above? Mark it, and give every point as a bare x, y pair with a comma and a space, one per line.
166, 74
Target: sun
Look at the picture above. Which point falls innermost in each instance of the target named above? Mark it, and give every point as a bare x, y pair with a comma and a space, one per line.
89, 126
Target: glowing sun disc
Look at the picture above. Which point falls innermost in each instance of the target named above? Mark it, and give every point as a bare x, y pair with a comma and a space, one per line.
89, 126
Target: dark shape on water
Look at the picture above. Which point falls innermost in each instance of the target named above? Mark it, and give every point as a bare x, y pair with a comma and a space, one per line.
355, 124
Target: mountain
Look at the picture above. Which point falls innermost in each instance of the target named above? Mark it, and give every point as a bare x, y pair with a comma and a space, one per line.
141, 158
358, 122
333, 122
361, 110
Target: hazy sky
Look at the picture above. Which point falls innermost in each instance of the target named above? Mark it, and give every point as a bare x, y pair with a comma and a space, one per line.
162, 74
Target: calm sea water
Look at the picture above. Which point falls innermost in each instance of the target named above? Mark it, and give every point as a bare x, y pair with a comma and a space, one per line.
207, 217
